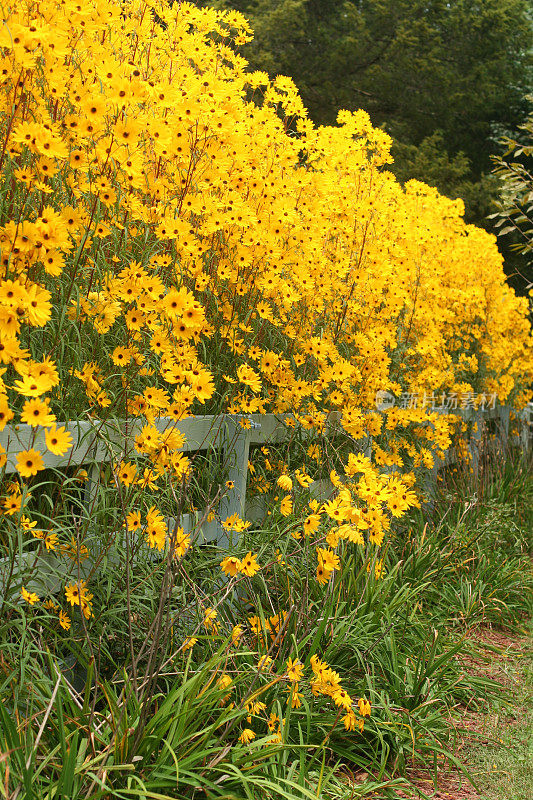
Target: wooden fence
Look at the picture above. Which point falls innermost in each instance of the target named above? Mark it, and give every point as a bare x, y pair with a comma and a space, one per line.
96, 443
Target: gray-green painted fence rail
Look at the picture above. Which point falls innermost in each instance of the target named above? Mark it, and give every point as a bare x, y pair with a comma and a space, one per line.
96, 443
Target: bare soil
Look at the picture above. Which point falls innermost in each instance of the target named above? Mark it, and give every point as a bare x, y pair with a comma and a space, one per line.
474, 728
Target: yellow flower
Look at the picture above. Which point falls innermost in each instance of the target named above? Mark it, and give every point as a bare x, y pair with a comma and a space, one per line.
295, 670
236, 634
29, 597
303, 479
364, 707
29, 462
286, 505
77, 595
64, 620
156, 528
249, 377
350, 720
210, 615
230, 565
235, 523
247, 736
295, 696
264, 663
249, 565
133, 520
311, 523
36, 412
5, 412
181, 543
224, 682
272, 722
27, 524
322, 574
33, 386
328, 559
285, 483
342, 698
12, 503
50, 540
58, 440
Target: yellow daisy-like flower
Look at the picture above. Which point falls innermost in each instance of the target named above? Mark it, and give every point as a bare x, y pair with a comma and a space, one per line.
264, 663
77, 594
351, 720
285, 483
295, 670
247, 736
230, 565
235, 523
236, 634
29, 597
64, 620
31, 386
364, 707
181, 542
36, 412
249, 565
286, 505
29, 462
50, 541
210, 615
249, 377
58, 440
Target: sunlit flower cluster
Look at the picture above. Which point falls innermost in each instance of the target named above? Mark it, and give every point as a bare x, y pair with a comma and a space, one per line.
178, 238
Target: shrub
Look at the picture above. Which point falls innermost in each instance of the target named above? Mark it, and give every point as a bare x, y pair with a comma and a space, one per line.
178, 238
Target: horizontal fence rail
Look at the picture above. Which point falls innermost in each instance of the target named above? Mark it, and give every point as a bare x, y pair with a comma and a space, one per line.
96, 443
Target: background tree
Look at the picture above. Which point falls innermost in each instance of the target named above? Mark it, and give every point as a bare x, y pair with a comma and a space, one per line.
444, 78
514, 217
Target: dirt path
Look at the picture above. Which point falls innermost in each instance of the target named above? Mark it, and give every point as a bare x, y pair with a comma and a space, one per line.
496, 743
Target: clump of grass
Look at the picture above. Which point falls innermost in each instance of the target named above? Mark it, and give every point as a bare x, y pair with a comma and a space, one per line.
503, 765
171, 249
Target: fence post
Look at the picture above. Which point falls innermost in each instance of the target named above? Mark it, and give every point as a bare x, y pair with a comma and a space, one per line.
430, 480
236, 449
526, 427
474, 446
504, 416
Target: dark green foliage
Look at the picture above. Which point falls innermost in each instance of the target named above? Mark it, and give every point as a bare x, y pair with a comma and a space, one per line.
514, 215
397, 641
443, 78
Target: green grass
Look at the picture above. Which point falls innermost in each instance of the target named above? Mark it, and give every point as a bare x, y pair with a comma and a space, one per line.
162, 731
504, 767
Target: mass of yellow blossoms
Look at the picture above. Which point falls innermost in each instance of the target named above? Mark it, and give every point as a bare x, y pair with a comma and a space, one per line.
178, 238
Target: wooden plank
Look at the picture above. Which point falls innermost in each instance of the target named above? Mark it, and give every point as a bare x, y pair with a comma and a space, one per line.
97, 442
86, 447
104, 441
270, 428
40, 572
201, 432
